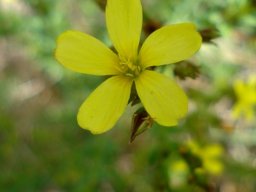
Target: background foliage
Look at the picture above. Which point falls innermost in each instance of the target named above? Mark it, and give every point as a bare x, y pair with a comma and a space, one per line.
43, 149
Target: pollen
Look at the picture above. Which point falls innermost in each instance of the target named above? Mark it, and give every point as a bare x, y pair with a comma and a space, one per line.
130, 68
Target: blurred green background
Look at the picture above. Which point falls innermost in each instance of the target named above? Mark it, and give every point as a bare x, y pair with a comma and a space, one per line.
43, 149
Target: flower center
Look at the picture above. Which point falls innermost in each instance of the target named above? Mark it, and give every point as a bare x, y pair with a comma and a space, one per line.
130, 68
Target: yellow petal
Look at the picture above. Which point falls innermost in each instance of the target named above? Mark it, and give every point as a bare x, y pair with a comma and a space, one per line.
162, 98
124, 23
240, 88
170, 44
85, 54
213, 166
105, 105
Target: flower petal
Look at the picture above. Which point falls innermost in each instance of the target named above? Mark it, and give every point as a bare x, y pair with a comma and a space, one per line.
105, 105
124, 23
85, 54
170, 44
162, 98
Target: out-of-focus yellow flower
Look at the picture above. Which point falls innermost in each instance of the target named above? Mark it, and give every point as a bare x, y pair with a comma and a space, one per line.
178, 172
162, 98
210, 156
246, 98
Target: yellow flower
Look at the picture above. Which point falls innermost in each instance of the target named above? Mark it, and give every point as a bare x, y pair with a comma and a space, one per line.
178, 172
210, 156
246, 98
163, 99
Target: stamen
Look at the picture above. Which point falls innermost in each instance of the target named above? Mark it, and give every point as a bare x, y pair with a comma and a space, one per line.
130, 68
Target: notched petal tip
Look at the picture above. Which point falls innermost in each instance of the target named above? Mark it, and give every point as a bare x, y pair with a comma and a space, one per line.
86, 127
58, 40
63, 34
